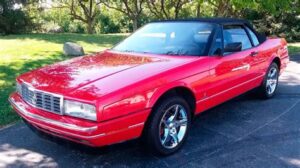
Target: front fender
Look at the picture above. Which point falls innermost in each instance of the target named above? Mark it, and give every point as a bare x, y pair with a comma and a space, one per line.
138, 101
158, 92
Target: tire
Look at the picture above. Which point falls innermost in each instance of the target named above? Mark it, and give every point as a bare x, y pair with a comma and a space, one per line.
269, 86
164, 133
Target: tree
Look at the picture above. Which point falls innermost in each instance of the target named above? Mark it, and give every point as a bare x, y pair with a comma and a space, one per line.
276, 17
235, 8
272, 17
82, 10
166, 9
131, 8
198, 7
13, 19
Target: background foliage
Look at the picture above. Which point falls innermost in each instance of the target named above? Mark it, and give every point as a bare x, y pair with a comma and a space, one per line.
273, 17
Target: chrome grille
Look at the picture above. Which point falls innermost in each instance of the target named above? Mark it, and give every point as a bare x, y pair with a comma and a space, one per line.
42, 100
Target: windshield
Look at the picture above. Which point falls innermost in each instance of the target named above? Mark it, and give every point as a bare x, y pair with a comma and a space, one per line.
170, 38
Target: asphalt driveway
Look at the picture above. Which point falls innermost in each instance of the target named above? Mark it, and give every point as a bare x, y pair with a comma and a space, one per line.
244, 132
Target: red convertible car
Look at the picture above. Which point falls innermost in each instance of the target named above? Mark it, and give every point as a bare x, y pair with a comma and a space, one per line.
151, 84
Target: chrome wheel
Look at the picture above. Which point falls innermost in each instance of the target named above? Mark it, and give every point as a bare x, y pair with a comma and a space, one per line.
272, 80
173, 126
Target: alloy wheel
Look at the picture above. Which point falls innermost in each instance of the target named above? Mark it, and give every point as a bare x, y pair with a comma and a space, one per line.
173, 126
272, 80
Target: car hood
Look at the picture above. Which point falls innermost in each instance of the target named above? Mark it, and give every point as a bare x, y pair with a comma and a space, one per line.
69, 75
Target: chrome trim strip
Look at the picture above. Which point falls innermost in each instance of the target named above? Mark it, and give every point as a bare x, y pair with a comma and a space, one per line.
246, 67
136, 125
229, 89
53, 122
68, 133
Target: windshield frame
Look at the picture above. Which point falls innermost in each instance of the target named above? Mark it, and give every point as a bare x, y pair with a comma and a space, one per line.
206, 50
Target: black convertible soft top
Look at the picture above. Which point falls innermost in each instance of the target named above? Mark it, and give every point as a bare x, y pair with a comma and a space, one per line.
222, 21
210, 20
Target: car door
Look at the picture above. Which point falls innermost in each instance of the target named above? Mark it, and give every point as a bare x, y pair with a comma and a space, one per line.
256, 59
230, 71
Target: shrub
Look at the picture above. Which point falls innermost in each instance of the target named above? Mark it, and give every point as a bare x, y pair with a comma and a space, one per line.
76, 27
105, 25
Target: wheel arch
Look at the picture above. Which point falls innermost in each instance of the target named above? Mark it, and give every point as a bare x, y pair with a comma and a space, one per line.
277, 61
179, 90
160, 94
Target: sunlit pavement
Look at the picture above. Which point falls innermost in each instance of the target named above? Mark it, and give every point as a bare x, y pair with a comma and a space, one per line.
245, 132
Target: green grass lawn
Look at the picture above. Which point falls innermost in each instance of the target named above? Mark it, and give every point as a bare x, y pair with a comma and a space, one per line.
294, 48
21, 53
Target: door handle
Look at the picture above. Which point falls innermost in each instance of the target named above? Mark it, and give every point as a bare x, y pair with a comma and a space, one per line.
254, 53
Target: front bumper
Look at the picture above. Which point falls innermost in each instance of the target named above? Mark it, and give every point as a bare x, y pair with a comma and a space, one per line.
79, 130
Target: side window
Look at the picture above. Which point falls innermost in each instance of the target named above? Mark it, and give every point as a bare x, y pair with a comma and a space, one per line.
234, 34
217, 44
253, 37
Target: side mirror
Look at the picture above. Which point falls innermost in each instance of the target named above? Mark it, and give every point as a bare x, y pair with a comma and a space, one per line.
218, 52
233, 47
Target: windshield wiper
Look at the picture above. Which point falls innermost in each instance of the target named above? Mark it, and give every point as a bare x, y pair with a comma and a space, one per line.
171, 53
129, 51
179, 52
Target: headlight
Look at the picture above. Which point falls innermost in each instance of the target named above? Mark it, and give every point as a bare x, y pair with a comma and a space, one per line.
18, 88
81, 110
